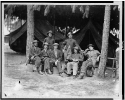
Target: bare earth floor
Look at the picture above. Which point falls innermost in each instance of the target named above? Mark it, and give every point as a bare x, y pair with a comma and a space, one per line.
50, 86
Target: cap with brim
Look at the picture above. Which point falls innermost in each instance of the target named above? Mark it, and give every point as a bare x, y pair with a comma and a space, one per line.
55, 44
69, 33
90, 45
45, 43
35, 41
50, 32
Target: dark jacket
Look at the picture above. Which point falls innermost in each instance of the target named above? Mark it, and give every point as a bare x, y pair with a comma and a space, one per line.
44, 54
34, 51
50, 41
54, 57
71, 42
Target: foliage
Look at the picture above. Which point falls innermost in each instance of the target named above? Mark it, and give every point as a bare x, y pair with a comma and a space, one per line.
65, 15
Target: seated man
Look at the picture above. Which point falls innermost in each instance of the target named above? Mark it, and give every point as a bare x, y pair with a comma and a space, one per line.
92, 55
45, 57
73, 63
34, 55
56, 56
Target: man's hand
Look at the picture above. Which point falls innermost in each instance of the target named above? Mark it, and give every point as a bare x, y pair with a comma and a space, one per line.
56, 62
98, 58
82, 50
32, 57
75, 59
87, 49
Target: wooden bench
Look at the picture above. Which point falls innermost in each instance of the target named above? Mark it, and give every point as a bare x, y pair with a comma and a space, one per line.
113, 68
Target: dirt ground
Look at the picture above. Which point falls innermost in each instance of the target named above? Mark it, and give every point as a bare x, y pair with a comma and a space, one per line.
35, 85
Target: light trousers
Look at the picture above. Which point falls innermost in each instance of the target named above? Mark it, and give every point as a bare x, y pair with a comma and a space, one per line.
87, 63
72, 65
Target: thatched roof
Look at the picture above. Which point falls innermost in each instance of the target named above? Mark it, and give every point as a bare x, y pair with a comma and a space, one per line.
62, 15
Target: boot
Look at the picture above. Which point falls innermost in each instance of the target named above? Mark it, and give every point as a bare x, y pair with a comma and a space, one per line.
81, 76
74, 76
69, 75
40, 72
63, 75
60, 74
49, 72
46, 72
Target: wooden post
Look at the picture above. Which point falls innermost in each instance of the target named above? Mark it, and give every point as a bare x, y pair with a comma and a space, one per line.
105, 38
30, 29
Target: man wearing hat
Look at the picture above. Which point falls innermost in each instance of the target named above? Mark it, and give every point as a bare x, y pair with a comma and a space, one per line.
45, 57
56, 57
93, 57
74, 60
34, 55
70, 42
49, 39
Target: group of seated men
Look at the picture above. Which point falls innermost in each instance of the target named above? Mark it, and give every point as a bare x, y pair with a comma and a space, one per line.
65, 60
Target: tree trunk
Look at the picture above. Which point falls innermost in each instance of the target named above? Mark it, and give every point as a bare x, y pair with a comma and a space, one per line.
105, 38
30, 29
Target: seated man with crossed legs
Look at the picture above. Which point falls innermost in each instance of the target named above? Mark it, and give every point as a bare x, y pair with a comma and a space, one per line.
34, 56
45, 57
93, 56
56, 57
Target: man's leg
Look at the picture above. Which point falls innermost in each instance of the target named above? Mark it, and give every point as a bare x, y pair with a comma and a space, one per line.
47, 65
59, 67
38, 64
40, 70
94, 62
69, 67
84, 66
90, 64
63, 66
75, 68
83, 69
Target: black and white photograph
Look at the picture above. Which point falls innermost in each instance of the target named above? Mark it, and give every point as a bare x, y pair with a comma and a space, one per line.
62, 50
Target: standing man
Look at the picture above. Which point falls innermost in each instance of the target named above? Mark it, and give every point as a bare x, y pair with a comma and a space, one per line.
75, 57
93, 57
56, 57
50, 40
45, 57
70, 42
34, 56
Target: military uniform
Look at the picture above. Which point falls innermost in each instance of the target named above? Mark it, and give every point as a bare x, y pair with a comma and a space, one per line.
70, 42
74, 64
45, 57
56, 55
34, 52
50, 41
92, 59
